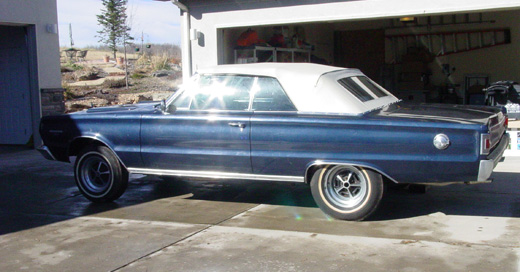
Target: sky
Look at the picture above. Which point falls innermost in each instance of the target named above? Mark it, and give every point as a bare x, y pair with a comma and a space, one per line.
159, 21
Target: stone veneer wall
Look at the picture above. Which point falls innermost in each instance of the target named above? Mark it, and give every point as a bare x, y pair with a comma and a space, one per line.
52, 101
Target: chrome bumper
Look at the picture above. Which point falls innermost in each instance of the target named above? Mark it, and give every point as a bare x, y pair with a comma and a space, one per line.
487, 166
46, 153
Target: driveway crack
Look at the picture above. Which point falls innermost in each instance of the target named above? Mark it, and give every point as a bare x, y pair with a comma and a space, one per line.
181, 240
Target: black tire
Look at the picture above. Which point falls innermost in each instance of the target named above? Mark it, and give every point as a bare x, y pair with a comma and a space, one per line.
99, 175
346, 192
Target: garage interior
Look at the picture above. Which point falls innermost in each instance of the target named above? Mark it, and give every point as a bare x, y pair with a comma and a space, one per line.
445, 58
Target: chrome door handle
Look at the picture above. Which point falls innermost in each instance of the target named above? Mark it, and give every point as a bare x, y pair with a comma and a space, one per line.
237, 124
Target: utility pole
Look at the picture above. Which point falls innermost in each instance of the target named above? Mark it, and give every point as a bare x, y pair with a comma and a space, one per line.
125, 61
142, 42
70, 35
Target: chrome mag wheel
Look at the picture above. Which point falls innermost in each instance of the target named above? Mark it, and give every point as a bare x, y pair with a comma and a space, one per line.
96, 174
347, 192
99, 174
345, 186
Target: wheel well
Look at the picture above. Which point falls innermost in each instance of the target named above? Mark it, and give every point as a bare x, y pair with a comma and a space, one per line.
311, 170
78, 144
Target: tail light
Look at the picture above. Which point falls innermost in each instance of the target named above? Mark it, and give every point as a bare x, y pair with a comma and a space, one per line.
506, 122
485, 144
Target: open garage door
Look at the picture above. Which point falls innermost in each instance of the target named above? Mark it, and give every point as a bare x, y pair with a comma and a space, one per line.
362, 49
443, 58
15, 106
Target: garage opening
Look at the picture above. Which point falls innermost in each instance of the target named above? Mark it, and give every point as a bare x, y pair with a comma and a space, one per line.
436, 59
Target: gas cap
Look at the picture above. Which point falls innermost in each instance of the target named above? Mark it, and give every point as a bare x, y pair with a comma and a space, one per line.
441, 141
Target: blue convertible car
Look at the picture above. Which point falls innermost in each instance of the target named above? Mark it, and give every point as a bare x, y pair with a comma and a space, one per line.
332, 128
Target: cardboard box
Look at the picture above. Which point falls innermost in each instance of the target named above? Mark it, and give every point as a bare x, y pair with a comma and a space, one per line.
411, 86
413, 67
410, 77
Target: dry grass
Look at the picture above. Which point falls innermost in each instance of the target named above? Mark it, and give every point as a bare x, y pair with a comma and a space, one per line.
114, 83
96, 55
160, 62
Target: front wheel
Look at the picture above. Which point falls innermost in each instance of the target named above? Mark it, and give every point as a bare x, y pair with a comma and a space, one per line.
346, 192
99, 174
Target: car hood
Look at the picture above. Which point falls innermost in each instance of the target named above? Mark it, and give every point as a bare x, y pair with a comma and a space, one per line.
460, 114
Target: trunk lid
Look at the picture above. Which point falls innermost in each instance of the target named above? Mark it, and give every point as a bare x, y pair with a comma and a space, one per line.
459, 114
491, 117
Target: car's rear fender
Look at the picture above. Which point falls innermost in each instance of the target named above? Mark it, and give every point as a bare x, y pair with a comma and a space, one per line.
315, 165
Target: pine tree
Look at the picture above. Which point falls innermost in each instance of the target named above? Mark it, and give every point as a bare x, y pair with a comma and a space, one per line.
113, 19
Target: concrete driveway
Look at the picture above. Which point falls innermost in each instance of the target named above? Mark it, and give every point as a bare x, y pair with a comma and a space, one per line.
46, 225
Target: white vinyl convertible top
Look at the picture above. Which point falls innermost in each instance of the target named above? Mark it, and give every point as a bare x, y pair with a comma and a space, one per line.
311, 87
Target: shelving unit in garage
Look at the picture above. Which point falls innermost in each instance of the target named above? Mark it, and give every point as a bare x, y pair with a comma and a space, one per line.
252, 54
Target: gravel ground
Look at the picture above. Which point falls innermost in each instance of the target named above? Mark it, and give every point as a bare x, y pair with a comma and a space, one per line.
105, 89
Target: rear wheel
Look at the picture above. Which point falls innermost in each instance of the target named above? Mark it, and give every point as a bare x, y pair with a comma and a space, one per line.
346, 192
99, 175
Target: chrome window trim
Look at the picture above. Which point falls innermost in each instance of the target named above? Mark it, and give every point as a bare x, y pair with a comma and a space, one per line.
213, 174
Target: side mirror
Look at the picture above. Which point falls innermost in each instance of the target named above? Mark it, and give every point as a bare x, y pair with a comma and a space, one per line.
171, 108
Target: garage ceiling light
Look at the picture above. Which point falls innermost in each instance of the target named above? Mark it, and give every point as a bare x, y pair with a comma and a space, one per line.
408, 19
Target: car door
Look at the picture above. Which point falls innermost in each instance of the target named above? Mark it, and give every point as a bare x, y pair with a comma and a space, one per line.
207, 130
276, 131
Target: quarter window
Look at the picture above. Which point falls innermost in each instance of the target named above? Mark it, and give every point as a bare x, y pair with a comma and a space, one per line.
362, 88
372, 87
351, 86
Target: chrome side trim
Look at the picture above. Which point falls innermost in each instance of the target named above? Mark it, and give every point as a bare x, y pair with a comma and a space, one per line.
317, 163
213, 174
46, 153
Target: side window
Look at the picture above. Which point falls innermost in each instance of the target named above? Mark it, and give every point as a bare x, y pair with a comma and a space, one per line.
270, 96
222, 92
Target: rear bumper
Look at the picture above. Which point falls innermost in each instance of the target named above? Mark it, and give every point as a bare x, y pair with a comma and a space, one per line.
46, 153
487, 166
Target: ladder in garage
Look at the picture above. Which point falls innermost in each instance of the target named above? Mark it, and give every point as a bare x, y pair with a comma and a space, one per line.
446, 43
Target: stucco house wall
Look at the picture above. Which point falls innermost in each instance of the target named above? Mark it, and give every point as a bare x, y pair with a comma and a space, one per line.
38, 13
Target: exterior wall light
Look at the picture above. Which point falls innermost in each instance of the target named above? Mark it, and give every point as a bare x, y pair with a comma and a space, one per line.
51, 28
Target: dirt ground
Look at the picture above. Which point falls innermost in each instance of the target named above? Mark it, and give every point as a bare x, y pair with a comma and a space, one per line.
93, 82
